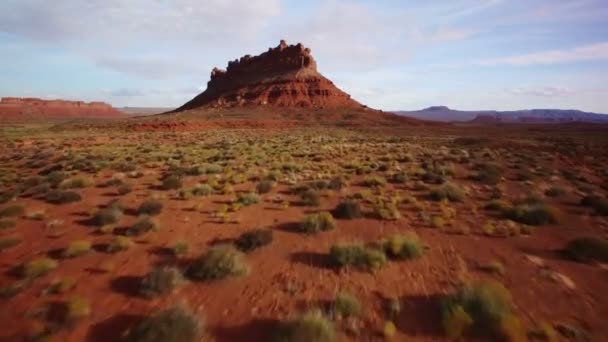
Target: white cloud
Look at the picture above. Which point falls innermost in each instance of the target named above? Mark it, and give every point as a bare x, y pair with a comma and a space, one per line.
592, 52
547, 91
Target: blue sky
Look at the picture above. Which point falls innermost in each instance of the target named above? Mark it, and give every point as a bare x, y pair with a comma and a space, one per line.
466, 54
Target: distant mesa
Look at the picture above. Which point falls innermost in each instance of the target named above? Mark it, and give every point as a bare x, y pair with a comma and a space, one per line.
33, 108
284, 76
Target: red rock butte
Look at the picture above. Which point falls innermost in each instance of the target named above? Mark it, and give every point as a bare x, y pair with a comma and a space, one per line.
33, 108
284, 76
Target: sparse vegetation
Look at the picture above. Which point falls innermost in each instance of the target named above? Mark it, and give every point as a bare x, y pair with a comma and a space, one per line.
406, 246
172, 325
150, 208
218, 263
357, 256
76, 248
448, 191
62, 196
12, 211
38, 267
587, 249
348, 210
107, 216
310, 326
161, 280
315, 223
119, 243
346, 305
253, 239
531, 214
143, 225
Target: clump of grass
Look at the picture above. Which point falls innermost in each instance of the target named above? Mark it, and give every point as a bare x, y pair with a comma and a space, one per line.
387, 210
62, 196
171, 182
61, 286
448, 191
531, 214
150, 208
180, 248
488, 173
357, 256
496, 205
161, 280
6, 224
124, 189
77, 308
493, 267
310, 326
310, 197
482, 308
218, 263
315, 223
374, 182
76, 248
555, 191
587, 249
406, 246
107, 216
202, 190
75, 183
346, 305
253, 239
398, 178
247, 199
10, 242
172, 325
348, 210
264, 186
599, 204
38, 267
119, 243
143, 225
12, 211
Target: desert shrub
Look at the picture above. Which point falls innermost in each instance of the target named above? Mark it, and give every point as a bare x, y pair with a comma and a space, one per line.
77, 308
119, 243
488, 173
555, 191
310, 197
171, 182
62, 196
180, 248
38, 267
6, 224
347, 210
124, 189
76, 248
172, 325
337, 183
9, 242
315, 223
247, 199
218, 263
448, 191
387, 211
62, 285
399, 178
150, 208
107, 216
407, 246
253, 239
587, 249
75, 183
143, 225
346, 305
493, 267
264, 186
310, 326
358, 256
599, 204
202, 190
482, 308
160, 280
496, 205
374, 182
12, 211
531, 214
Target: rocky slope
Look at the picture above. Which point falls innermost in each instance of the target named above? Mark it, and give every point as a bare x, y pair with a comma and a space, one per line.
13, 108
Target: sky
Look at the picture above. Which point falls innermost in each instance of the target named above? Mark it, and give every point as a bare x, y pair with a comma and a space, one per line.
388, 54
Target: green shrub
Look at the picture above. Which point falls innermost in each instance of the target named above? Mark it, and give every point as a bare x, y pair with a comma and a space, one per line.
387, 211
160, 280
310, 326
587, 249
482, 308
173, 325
531, 214
38, 267
143, 225
406, 246
264, 186
253, 239
346, 305
76, 248
374, 182
448, 191
315, 223
150, 208
248, 198
107, 216
348, 210
218, 263
6, 224
171, 182
11, 211
77, 308
62, 196
119, 243
357, 256
310, 197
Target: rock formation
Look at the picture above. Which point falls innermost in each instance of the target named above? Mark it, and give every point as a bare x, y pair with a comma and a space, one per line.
284, 76
33, 108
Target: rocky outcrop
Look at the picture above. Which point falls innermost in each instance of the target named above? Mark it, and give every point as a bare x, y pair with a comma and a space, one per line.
284, 76
33, 108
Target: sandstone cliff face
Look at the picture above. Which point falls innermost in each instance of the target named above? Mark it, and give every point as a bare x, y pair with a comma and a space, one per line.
33, 108
284, 76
